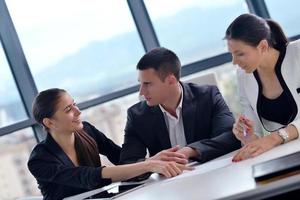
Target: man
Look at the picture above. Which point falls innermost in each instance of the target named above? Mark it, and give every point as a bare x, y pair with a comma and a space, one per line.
177, 121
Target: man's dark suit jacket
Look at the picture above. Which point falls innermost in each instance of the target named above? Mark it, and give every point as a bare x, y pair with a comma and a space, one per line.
56, 174
207, 125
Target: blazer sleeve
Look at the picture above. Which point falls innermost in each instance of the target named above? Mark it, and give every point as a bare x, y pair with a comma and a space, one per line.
133, 149
47, 168
246, 106
222, 140
296, 122
105, 145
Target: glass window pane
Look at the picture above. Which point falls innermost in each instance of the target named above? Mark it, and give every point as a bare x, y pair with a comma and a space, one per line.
287, 14
110, 118
227, 83
16, 180
88, 47
194, 29
11, 106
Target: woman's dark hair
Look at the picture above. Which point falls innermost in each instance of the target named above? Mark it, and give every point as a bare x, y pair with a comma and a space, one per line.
251, 29
45, 106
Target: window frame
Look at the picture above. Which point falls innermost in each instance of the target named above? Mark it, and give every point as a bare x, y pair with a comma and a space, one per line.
26, 85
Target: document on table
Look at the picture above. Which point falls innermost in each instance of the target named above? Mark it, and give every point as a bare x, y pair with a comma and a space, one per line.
203, 168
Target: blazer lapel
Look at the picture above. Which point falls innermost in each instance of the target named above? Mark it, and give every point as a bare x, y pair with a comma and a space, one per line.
160, 128
57, 151
188, 113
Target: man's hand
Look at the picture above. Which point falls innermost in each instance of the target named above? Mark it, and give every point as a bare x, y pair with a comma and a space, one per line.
171, 155
168, 169
188, 152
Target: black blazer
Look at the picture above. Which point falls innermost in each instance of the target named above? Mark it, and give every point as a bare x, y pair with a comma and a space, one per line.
57, 176
207, 125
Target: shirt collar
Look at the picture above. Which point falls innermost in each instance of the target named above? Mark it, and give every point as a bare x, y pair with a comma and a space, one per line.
179, 107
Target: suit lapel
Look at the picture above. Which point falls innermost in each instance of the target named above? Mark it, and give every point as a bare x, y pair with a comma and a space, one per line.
160, 128
188, 113
57, 151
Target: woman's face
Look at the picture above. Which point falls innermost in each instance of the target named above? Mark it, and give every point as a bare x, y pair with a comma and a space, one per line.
66, 119
245, 56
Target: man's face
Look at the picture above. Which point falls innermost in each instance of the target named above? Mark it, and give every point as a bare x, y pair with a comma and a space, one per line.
154, 90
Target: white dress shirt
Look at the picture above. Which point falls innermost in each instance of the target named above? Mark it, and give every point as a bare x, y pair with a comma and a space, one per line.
175, 125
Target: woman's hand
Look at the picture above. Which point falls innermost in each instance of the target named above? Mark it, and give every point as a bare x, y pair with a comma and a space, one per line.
257, 147
167, 168
243, 130
171, 154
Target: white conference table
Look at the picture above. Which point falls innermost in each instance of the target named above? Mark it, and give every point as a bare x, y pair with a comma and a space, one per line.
216, 179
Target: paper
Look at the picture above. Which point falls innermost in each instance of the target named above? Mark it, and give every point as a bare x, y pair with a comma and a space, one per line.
203, 168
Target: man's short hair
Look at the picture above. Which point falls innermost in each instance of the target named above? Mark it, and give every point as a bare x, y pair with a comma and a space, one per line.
163, 61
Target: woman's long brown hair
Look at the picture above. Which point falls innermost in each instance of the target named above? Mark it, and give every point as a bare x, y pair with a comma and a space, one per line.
45, 105
86, 149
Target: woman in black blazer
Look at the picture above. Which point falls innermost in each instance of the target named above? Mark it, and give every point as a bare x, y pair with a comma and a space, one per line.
67, 162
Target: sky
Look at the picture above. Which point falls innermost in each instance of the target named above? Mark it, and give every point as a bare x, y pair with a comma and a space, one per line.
163, 8
51, 29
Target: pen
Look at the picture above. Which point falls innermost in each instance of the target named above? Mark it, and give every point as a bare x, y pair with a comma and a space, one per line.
244, 131
243, 126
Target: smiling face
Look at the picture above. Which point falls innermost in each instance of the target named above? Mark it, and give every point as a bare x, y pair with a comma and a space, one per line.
154, 90
66, 119
246, 56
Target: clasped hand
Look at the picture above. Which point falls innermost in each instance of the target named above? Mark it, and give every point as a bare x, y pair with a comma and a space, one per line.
171, 154
170, 162
243, 130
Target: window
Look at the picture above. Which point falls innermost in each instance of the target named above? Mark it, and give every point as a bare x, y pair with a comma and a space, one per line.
16, 180
286, 13
89, 48
11, 107
110, 118
227, 83
193, 29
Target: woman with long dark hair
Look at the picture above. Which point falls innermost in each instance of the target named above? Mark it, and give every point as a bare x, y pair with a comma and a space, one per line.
67, 162
268, 81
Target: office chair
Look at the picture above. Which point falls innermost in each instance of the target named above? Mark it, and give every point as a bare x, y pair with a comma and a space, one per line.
204, 79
